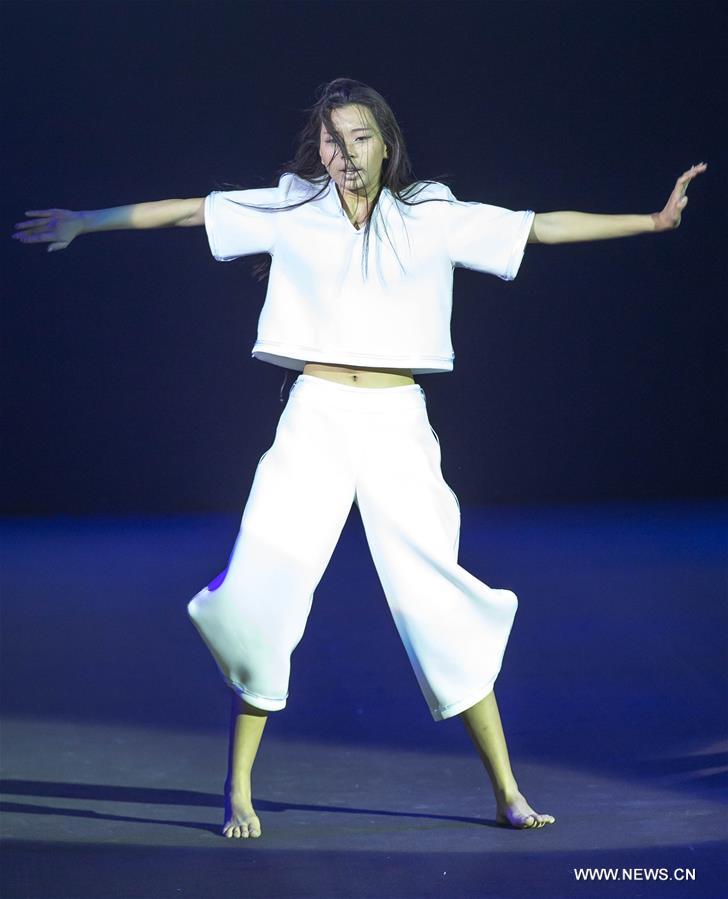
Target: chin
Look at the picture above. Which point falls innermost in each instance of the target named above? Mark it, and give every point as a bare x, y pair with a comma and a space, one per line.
354, 187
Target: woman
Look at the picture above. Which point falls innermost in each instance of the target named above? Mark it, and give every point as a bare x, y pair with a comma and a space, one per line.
359, 301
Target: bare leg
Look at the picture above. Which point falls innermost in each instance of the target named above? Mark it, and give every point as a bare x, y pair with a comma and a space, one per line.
246, 729
483, 723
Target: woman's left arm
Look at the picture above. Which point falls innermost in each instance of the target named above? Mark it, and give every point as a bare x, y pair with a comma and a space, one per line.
566, 227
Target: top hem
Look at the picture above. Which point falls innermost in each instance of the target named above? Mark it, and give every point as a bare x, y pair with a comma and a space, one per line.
295, 357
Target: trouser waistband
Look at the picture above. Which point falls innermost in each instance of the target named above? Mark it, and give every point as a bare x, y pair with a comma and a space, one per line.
326, 391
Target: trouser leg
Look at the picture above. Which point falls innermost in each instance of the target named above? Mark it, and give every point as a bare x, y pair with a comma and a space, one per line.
453, 626
253, 615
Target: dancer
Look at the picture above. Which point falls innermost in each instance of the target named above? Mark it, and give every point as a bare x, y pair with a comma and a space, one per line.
358, 302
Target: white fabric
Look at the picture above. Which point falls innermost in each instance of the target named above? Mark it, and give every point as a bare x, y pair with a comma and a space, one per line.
321, 307
336, 444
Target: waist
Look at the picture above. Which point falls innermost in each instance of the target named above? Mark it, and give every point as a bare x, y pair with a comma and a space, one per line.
328, 394
354, 376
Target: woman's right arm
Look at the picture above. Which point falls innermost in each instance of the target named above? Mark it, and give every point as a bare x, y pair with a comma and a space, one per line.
58, 227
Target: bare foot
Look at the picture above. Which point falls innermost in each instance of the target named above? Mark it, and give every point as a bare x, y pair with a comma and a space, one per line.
240, 818
516, 812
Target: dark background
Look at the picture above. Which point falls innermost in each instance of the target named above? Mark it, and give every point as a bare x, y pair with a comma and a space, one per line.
596, 375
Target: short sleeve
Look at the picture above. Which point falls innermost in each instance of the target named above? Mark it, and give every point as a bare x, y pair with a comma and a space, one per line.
486, 238
235, 227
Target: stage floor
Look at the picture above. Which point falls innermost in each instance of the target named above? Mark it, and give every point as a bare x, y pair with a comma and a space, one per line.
612, 695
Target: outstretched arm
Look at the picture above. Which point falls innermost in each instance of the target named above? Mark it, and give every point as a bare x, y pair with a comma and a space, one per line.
58, 227
565, 227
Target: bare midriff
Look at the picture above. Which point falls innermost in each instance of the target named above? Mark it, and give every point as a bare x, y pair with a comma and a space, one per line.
359, 377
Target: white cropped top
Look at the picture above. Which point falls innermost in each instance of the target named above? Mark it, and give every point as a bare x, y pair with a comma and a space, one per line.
322, 306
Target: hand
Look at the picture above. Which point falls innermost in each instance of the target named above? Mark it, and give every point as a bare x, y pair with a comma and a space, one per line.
56, 227
670, 216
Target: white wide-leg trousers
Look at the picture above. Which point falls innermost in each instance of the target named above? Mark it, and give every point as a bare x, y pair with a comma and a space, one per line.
334, 445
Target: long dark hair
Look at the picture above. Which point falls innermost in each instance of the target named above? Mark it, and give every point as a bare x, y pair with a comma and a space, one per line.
396, 175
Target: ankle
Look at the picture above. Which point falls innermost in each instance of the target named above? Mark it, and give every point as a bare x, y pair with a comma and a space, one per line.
238, 786
507, 793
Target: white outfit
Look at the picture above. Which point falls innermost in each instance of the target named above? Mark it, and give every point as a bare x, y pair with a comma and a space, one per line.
336, 444
323, 306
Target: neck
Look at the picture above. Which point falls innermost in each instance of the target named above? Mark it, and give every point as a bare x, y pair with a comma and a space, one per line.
356, 206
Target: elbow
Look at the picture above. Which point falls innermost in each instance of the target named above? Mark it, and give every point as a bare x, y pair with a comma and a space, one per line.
543, 228
196, 215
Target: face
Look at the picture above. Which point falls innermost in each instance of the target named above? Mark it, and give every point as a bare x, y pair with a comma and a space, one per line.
358, 130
